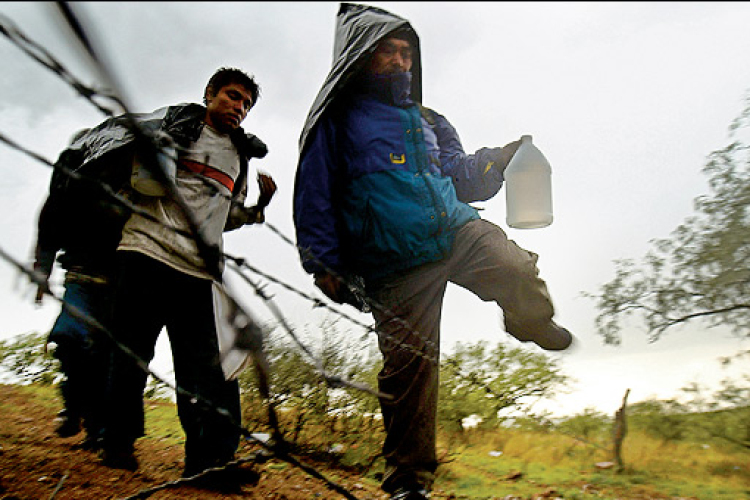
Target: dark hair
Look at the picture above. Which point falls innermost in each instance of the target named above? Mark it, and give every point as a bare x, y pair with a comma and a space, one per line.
404, 33
227, 76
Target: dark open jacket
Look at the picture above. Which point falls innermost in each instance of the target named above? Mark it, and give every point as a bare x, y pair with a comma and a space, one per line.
79, 219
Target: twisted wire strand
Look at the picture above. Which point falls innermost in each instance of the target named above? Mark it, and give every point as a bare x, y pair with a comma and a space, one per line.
276, 447
152, 151
9, 29
45, 58
332, 380
430, 347
258, 357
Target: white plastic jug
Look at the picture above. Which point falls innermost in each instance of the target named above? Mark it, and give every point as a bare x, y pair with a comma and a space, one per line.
143, 180
528, 188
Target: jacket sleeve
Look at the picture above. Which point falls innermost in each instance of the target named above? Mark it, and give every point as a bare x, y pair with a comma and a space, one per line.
51, 217
250, 146
315, 218
476, 177
48, 239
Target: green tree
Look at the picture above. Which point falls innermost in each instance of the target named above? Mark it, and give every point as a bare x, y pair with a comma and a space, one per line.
297, 386
27, 359
461, 391
477, 380
702, 270
588, 425
662, 419
723, 414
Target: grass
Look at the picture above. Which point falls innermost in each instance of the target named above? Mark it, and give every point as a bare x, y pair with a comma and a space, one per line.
485, 464
45, 395
162, 422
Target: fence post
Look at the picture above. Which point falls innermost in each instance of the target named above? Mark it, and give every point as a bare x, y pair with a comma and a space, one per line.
620, 430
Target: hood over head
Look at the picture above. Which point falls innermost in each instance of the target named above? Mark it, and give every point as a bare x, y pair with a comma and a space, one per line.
359, 28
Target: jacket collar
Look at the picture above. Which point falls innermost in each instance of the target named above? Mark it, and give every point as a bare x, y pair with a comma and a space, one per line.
394, 89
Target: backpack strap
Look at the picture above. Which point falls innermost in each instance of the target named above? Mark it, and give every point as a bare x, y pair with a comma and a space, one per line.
427, 114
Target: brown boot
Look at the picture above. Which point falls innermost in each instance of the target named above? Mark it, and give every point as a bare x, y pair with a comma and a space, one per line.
550, 336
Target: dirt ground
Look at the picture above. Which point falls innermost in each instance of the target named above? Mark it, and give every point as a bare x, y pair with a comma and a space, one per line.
36, 464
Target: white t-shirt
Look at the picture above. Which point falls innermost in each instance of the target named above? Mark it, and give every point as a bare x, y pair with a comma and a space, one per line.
207, 199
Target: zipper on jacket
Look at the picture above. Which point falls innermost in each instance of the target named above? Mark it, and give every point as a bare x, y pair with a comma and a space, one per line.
422, 166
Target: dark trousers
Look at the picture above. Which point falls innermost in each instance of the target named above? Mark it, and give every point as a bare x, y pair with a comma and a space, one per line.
484, 261
149, 296
83, 352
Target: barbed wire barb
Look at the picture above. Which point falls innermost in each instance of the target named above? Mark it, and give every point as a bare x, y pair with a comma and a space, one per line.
45, 58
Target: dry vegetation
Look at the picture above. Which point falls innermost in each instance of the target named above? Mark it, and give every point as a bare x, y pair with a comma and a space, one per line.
37, 464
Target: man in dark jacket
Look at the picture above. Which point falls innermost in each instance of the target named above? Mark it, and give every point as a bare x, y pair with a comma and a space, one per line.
80, 230
381, 193
170, 256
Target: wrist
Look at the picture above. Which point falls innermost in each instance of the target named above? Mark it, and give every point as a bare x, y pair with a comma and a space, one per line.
255, 215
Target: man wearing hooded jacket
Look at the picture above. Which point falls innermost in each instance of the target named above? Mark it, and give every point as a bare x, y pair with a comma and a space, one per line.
381, 193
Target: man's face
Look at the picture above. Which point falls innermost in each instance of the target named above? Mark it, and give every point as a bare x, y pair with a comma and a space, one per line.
226, 110
393, 55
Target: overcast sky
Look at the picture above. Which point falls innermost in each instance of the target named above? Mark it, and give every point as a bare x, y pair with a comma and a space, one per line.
625, 99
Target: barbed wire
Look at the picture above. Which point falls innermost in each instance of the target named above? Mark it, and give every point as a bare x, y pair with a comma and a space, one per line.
126, 203
429, 350
429, 346
277, 446
43, 56
89, 94
151, 150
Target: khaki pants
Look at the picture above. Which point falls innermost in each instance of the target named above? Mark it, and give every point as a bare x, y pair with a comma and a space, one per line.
484, 261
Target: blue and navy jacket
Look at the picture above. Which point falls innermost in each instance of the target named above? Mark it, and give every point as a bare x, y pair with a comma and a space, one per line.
384, 183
